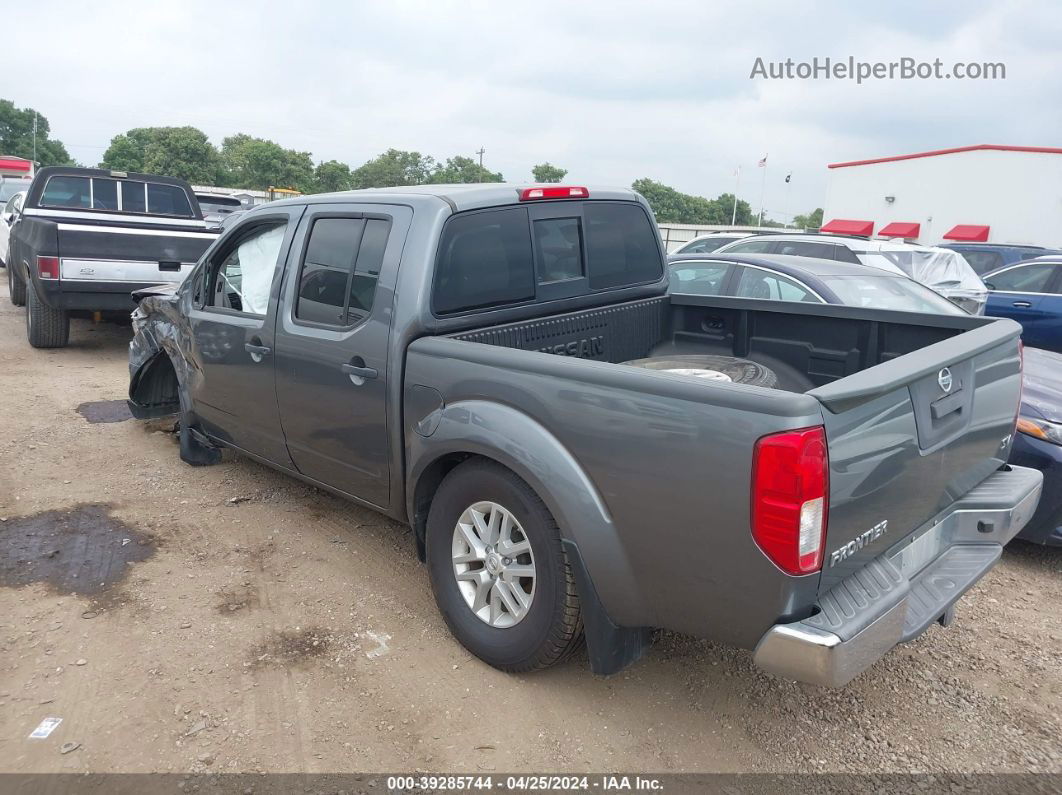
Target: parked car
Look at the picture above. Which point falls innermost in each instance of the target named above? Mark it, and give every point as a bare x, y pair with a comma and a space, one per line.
785, 277
86, 238
216, 207
985, 257
940, 269
710, 242
11, 209
778, 277
9, 186
1030, 293
1038, 443
447, 386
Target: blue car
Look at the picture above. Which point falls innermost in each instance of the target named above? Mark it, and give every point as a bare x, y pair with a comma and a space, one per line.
1030, 293
986, 257
1038, 443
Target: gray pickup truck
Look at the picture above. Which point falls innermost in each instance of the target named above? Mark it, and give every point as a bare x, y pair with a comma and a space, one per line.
470, 360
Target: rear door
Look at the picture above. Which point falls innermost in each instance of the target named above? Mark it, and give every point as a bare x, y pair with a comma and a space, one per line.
232, 321
331, 352
1022, 293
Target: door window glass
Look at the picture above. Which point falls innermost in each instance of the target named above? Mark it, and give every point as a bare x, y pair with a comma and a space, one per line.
245, 274
337, 283
698, 278
754, 283
1023, 279
751, 247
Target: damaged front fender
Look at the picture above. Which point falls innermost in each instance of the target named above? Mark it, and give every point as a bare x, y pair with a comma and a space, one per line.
158, 370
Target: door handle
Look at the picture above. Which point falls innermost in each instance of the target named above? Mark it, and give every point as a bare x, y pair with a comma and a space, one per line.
257, 351
1022, 304
359, 372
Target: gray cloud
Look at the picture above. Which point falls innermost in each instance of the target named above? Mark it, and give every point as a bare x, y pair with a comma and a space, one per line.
612, 91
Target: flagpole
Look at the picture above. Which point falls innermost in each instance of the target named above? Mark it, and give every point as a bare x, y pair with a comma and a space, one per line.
763, 188
737, 187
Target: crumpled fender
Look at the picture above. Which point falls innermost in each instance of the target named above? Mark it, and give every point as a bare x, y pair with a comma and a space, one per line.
517, 441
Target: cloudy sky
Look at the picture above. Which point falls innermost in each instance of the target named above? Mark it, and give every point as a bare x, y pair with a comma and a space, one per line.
612, 91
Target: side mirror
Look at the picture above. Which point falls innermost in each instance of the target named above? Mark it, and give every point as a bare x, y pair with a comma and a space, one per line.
990, 286
9, 218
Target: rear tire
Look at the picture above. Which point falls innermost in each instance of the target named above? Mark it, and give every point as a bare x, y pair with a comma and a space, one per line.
550, 627
46, 327
16, 287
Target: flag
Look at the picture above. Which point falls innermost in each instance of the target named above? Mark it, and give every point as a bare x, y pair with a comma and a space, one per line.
788, 176
763, 163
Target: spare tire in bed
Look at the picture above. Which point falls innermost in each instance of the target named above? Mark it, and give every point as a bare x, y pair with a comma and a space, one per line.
712, 368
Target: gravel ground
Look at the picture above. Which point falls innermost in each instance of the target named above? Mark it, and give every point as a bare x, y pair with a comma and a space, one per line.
245, 622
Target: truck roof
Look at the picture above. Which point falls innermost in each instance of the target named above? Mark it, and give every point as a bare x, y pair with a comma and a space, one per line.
459, 197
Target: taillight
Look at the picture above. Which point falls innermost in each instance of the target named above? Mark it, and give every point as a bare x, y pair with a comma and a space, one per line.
557, 192
48, 267
790, 493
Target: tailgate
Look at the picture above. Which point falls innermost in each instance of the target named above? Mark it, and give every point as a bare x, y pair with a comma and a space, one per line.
128, 254
910, 436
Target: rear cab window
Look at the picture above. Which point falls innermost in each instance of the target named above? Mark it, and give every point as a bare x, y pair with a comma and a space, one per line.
111, 194
549, 250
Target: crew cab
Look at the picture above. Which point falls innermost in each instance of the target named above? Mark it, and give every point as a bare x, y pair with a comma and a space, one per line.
465, 359
84, 238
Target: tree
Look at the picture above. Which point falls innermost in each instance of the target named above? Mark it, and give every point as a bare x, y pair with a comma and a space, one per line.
332, 176
812, 220
183, 152
258, 164
460, 169
394, 167
672, 206
544, 172
16, 136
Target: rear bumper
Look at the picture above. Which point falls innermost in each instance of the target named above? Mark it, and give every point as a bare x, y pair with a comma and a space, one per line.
896, 597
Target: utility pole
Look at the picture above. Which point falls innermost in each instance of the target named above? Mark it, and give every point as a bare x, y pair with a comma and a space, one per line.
763, 187
480, 152
737, 186
34, 139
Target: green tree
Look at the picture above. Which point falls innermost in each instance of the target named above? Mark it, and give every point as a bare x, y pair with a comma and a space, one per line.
812, 220
393, 167
258, 164
16, 136
672, 206
183, 152
460, 169
544, 172
332, 176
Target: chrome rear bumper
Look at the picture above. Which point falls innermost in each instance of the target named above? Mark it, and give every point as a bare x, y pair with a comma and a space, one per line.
897, 596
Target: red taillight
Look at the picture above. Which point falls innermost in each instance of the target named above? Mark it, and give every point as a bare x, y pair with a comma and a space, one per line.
790, 498
48, 267
558, 192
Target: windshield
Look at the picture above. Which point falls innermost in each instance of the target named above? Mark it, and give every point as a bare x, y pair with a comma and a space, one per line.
9, 187
218, 204
884, 292
706, 245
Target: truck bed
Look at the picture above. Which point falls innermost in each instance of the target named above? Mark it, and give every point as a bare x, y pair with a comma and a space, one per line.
899, 454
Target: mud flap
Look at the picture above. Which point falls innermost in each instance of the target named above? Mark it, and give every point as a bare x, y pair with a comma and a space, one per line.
611, 648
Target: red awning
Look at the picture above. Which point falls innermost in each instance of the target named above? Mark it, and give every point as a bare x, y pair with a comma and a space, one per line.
15, 164
968, 233
900, 229
840, 226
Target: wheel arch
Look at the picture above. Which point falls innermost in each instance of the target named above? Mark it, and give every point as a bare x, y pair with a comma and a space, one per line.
509, 437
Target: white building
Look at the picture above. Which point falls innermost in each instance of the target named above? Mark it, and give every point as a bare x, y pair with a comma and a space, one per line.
986, 193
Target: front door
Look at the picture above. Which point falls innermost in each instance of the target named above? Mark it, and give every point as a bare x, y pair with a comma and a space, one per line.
232, 321
1022, 293
331, 347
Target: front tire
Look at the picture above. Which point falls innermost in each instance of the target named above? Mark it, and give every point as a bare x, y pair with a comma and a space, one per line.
15, 286
498, 571
46, 327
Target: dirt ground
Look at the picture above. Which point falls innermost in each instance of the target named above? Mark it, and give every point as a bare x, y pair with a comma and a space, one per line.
229, 618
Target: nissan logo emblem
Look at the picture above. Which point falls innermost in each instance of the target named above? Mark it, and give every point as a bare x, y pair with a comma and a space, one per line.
944, 379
